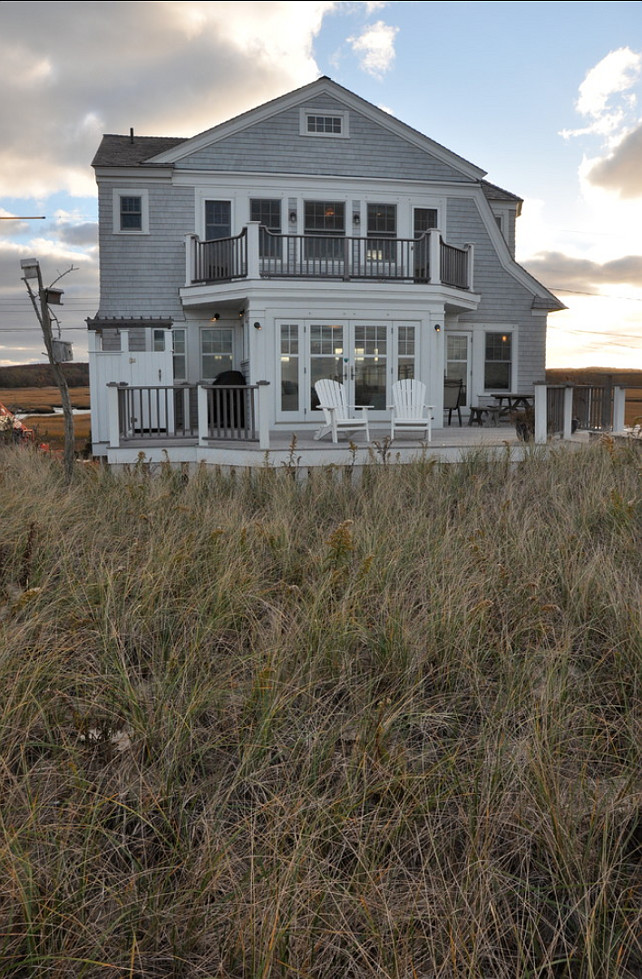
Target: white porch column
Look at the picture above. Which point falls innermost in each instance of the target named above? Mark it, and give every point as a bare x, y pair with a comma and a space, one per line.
201, 395
434, 260
263, 409
190, 249
567, 430
471, 266
541, 433
253, 249
113, 420
619, 404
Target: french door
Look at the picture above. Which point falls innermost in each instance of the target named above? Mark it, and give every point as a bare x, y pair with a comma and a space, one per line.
365, 356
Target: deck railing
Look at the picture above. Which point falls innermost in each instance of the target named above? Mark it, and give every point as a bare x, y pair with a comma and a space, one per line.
221, 259
425, 259
162, 413
454, 266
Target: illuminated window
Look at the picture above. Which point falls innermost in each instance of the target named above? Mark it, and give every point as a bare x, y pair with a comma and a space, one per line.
498, 361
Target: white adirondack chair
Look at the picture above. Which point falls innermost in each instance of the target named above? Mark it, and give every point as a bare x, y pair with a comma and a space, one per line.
408, 404
332, 400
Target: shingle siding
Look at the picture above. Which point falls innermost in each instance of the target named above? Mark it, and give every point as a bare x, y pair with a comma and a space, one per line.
141, 274
276, 146
504, 300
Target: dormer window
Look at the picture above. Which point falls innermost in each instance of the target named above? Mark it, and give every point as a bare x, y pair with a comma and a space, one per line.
325, 124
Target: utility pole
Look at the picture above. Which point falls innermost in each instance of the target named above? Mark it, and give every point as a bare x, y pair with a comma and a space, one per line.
40, 303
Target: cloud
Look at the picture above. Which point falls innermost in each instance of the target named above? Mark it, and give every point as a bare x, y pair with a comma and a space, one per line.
376, 45
615, 73
71, 71
81, 235
605, 99
622, 169
560, 271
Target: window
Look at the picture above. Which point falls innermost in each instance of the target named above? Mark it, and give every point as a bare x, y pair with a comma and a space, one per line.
325, 124
218, 220
158, 341
217, 352
382, 225
268, 212
406, 353
425, 218
179, 355
325, 218
131, 212
289, 367
498, 362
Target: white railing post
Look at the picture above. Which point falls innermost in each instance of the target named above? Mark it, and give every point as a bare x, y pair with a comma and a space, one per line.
263, 410
619, 404
541, 432
567, 427
113, 419
190, 249
201, 394
470, 271
253, 270
434, 261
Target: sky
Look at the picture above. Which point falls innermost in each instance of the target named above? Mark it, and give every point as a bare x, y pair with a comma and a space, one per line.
546, 97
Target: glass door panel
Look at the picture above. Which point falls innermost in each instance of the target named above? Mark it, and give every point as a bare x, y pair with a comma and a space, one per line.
326, 355
371, 366
457, 358
290, 365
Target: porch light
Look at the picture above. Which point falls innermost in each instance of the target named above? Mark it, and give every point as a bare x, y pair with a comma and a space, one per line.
215, 317
356, 219
437, 328
292, 217
257, 326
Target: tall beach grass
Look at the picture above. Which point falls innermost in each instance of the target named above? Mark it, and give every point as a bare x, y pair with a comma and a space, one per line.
386, 726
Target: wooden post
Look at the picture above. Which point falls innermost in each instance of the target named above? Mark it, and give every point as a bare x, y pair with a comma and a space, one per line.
190, 254
45, 296
253, 269
434, 251
541, 427
567, 430
113, 414
471, 266
263, 406
619, 405
203, 431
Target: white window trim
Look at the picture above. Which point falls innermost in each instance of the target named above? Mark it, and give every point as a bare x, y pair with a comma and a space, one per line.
512, 330
144, 206
342, 114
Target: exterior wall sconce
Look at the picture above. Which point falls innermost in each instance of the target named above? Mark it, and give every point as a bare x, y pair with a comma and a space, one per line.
437, 328
257, 326
241, 313
356, 219
215, 317
292, 217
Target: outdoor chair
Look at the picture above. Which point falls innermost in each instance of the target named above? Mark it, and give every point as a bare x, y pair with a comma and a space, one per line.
409, 407
332, 401
453, 398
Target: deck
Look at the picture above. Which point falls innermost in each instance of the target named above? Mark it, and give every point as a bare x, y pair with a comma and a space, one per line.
300, 450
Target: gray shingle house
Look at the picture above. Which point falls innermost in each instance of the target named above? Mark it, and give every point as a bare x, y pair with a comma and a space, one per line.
314, 236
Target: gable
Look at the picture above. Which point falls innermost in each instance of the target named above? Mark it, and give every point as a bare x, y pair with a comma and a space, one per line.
271, 139
275, 145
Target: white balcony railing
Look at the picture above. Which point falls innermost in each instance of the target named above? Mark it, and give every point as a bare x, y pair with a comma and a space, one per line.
257, 253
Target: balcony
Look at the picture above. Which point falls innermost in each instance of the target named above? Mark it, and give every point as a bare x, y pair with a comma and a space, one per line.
256, 253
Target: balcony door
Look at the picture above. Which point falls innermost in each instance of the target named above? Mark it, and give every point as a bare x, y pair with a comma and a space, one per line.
367, 357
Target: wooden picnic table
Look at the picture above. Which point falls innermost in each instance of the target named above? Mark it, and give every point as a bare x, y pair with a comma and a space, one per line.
514, 401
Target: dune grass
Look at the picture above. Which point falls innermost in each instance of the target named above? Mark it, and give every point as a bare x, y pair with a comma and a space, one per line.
386, 726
